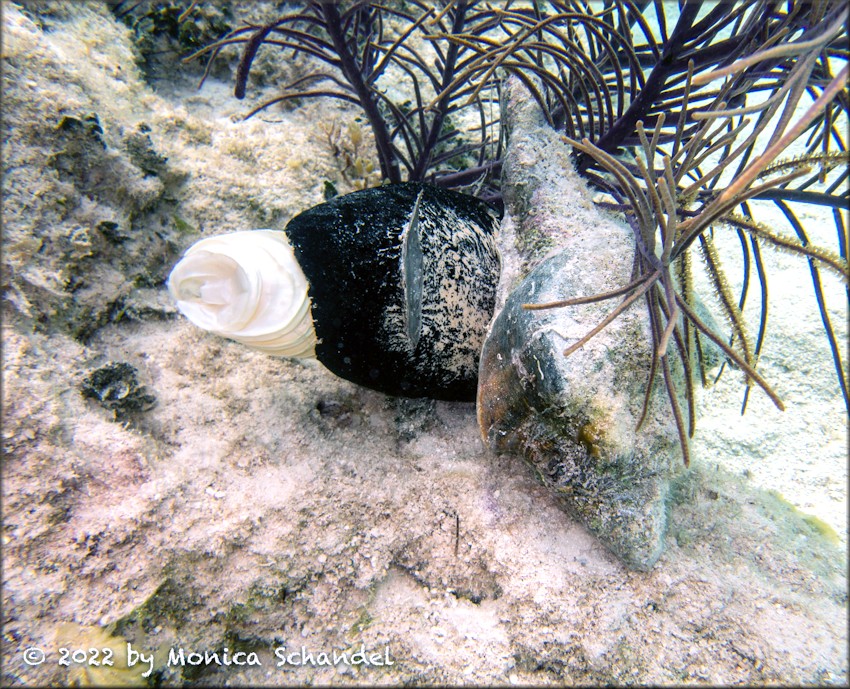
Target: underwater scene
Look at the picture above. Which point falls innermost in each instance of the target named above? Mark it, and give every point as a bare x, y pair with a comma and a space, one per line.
432, 343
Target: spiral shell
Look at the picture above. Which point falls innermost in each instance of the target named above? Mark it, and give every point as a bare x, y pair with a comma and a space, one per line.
392, 288
247, 286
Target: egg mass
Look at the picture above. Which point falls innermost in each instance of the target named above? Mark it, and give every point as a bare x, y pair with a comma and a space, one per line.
402, 282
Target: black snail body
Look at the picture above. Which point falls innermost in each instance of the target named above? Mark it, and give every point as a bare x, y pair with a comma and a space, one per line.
403, 285
400, 281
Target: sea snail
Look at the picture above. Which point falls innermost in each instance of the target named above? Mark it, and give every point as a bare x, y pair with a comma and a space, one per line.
392, 288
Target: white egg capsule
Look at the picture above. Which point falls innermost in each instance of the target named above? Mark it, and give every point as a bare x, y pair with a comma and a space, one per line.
247, 286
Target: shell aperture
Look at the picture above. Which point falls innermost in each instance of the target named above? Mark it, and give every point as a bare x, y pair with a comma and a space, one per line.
392, 288
247, 286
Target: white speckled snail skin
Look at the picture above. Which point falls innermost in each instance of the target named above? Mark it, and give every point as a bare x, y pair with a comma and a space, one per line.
247, 286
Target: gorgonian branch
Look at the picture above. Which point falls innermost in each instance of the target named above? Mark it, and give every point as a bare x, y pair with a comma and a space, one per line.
665, 193
366, 44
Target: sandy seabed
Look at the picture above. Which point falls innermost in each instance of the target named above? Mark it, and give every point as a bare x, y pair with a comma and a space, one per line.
264, 504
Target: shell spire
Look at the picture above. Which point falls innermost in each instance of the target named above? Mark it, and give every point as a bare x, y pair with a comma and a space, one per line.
248, 287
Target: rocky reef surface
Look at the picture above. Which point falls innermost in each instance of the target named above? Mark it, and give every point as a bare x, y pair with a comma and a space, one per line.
574, 419
173, 490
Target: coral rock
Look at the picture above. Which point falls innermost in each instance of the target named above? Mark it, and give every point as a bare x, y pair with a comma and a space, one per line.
574, 419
